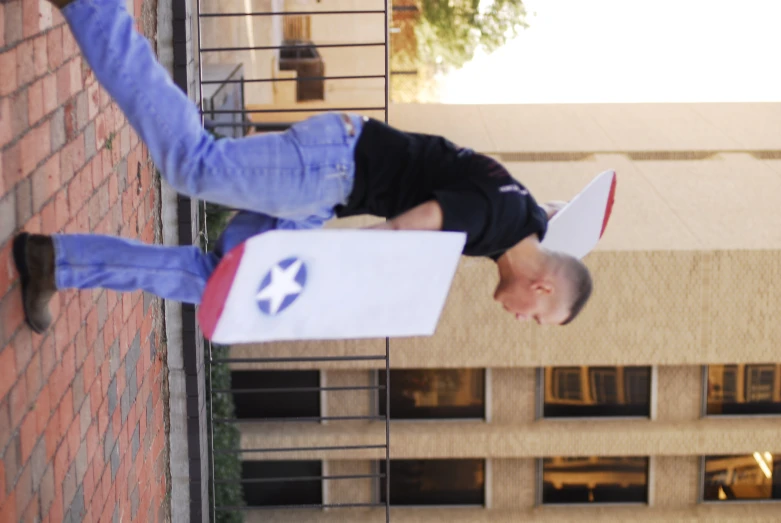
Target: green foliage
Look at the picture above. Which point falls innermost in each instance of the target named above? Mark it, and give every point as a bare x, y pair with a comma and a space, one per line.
450, 31
226, 436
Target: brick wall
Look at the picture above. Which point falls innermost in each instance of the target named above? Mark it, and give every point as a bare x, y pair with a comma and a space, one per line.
82, 408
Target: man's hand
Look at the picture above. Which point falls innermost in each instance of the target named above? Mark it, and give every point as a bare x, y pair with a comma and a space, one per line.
425, 217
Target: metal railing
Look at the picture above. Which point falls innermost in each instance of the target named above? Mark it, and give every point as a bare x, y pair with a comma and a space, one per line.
301, 22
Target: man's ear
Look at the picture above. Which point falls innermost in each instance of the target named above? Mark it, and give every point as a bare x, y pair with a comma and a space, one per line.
542, 287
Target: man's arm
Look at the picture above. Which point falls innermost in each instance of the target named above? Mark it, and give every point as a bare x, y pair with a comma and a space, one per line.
425, 217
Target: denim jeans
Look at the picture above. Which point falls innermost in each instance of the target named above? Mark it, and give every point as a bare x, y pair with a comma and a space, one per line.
289, 180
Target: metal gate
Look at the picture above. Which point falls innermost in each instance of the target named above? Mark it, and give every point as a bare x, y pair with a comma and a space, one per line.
238, 97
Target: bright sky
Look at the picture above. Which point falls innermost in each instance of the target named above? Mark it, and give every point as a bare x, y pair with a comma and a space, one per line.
592, 51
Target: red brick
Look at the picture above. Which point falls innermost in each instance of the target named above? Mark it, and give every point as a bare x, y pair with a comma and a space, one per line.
74, 439
25, 62
8, 80
30, 17
49, 93
54, 48
11, 315
46, 491
45, 18
93, 100
35, 108
52, 435
42, 412
7, 371
9, 505
48, 357
69, 46
74, 67
62, 335
56, 511
74, 317
65, 411
6, 128
63, 84
36, 146
60, 463
18, 401
45, 182
40, 59
33, 376
69, 361
61, 209
24, 490
57, 18
27, 436
72, 157
92, 327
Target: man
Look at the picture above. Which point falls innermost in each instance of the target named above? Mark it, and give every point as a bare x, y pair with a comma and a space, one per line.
326, 166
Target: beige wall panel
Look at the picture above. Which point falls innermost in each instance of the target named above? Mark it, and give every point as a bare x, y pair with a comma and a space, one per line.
600, 127
349, 490
463, 124
678, 393
735, 513
752, 125
513, 395
743, 303
513, 484
728, 202
676, 481
470, 439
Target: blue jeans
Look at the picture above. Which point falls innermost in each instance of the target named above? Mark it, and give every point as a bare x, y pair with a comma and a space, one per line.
290, 180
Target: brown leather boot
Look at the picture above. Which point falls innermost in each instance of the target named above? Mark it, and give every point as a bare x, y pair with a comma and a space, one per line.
34, 258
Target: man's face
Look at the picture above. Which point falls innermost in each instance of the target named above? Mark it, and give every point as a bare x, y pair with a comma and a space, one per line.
542, 301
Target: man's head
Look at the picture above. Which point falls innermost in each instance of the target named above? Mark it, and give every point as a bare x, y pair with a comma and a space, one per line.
548, 287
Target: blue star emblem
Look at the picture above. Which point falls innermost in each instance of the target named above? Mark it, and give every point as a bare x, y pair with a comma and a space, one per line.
281, 286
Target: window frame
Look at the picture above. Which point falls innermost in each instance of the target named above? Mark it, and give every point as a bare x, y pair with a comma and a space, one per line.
704, 394
320, 394
649, 481
377, 469
701, 490
540, 397
485, 418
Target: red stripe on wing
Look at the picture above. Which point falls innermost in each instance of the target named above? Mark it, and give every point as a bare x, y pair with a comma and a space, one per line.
217, 289
609, 206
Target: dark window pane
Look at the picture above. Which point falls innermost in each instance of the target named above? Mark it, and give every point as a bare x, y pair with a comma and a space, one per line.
299, 492
597, 391
594, 480
435, 482
434, 393
254, 405
744, 389
743, 477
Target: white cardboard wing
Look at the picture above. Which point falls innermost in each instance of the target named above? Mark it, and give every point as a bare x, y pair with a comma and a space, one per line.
330, 284
577, 227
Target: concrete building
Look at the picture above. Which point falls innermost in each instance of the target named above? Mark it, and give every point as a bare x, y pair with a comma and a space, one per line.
660, 402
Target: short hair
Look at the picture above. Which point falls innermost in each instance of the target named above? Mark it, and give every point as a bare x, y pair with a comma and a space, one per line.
579, 277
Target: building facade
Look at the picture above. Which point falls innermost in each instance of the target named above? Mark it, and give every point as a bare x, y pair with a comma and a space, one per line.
660, 402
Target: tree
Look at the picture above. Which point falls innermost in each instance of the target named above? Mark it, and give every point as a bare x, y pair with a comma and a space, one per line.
450, 31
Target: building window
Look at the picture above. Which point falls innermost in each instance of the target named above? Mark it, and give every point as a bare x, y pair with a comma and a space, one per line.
596, 392
754, 476
743, 389
279, 483
594, 480
435, 482
259, 394
434, 393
